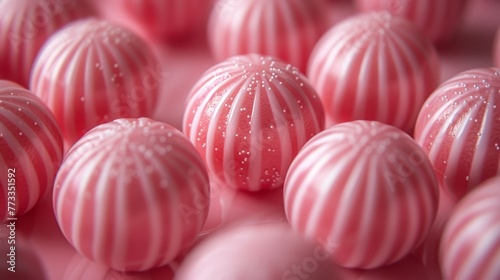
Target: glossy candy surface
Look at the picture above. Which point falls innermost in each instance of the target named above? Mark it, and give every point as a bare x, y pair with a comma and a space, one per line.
248, 117
92, 72
438, 20
128, 194
366, 189
374, 66
470, 246
459, 129
286, 29
31, 148
24, 27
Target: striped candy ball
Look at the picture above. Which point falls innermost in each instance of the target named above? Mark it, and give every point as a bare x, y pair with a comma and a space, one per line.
248, 117
25, 25
31, 149
374, 67
268, 251
161, 19
459, 129
92, 72
438, 20
287, 29
128, 194
363, 190
470, 246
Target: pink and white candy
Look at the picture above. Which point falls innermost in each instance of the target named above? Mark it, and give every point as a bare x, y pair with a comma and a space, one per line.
438, 20
470, 246
122, 192
31, 149
286, 29
92, 72
374, 67
458, 129
366, 189
248, 117
24, 27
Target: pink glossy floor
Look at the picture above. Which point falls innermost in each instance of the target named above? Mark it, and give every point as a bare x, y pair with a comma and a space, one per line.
44, 252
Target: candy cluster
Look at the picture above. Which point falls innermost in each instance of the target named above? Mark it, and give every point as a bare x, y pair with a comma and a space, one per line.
311, 148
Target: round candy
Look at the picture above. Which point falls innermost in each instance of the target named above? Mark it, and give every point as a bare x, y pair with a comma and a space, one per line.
25, 25
161, 19
31, 149
470, 246
128, 194
374, 67
287, 29
248, 117
92, 72
256, 252
365, 190
459, 129
438, 20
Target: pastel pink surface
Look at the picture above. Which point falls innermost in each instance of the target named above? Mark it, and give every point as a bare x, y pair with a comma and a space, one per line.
127, 194
470, 48
169, 20
458, 127
364, 187
286, 29
470, 246
264, 251
32, 150
24, 27
374, 66
438, 20
92, 72
496, 49
428, 251
248, 116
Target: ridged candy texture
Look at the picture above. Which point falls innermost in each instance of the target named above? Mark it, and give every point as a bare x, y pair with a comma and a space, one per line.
438, 20
31, 149
363, 190
374, 67
248, 117
287, 29
459, 129
470, 246
25, 25
163, 19
129, 194
93, 72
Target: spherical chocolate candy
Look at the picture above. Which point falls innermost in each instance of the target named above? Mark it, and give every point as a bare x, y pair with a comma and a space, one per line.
248, 117
92, 72
365, 191
438, 20
31, 147
459, 129
286, 29
25, 25
470, 246
129, 194
374, 67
